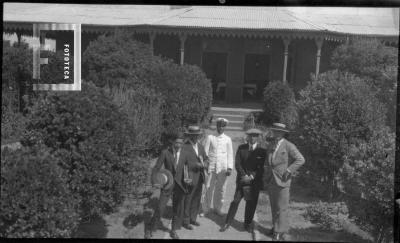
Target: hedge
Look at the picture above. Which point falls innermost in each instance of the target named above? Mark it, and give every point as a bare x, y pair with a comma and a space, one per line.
91, 135
279, 105
336, 110
36, 200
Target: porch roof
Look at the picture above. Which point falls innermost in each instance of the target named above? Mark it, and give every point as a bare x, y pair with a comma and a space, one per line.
343, 21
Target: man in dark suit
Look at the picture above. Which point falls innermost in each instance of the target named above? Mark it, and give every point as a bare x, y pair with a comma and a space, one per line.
169, 160
249, 162
283, 159
189, 179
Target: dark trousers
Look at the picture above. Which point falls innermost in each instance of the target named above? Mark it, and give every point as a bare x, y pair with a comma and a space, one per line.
250, 207
179, 200
162, 203
192, 208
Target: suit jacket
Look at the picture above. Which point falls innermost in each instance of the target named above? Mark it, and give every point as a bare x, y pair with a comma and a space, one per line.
287, 157
250, 163
189, 158
167, 160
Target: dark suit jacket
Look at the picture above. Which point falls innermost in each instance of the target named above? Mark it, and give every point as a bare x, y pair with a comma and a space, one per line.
250, 163
167, 160
287, 157
188, 157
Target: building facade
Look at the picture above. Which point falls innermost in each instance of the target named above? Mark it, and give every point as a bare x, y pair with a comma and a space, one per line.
241, 49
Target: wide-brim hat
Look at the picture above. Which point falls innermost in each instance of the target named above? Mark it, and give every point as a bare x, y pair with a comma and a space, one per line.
163, 178
254, 131
195, 130
279, 127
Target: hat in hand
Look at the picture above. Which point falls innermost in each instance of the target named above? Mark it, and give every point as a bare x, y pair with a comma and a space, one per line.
162, 179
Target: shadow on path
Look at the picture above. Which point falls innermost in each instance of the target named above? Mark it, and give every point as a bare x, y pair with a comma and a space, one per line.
220, 221
95, 228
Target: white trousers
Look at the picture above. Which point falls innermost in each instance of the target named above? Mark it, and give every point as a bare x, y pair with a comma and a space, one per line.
215, 191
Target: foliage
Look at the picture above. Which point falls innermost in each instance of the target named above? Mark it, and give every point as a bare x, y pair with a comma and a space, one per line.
336, 110
12, 124
187, 93
327, 215
279, 105
36, 200
113, 59
375, 63
368, 175
119, 59
17, 63
90, 134
143, 105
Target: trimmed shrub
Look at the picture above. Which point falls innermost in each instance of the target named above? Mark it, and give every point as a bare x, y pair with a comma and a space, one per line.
94, 136
36, 200
12, 125
113, 59
336, 110
368, 179
375, 63
143, 105
279, 105
187, 92
116, 59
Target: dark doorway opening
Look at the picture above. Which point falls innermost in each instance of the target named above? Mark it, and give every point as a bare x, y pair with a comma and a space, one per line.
256, 76
214, 65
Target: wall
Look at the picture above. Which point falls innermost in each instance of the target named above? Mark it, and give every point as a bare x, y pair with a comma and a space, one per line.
235, 71
306, 52
167, 46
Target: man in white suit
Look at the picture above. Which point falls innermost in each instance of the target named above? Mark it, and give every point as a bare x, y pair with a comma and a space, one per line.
220, 153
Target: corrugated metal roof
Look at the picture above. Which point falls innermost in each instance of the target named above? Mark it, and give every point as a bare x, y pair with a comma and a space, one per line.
237, 18
359, 21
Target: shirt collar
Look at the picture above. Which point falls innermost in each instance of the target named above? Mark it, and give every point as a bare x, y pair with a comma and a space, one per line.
253, 146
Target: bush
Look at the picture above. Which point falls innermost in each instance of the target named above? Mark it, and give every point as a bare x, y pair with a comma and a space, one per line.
327, 215
12, 125
336, 110
143, 105
374, 62
91, 136
115, 59
368, 179
36, 200
279, 105
187, 93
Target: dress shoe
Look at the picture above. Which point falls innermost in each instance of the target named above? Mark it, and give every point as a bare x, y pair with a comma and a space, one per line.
187, 226
195, 223
248, 228
219, 213
270, 232
174, 235
201, 214
285, 237
224, 228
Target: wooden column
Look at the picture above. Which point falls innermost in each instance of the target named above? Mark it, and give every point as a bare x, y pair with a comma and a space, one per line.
319, 42
286, 42
182, 39
152, 37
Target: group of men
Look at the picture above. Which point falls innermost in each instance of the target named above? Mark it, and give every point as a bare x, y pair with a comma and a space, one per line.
189, 166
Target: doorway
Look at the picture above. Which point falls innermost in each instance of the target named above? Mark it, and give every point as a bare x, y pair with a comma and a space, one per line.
214, 65
256, 76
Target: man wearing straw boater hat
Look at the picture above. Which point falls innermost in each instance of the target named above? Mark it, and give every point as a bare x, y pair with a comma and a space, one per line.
189, 179
220, 153
249, 166
164, 178
282, 160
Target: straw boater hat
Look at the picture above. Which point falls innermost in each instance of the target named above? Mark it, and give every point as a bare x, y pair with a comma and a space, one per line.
195, 130
222, 121
254, 131
279, 127
163, 179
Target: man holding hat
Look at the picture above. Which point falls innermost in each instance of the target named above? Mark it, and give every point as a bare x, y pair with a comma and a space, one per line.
249, 166
283, 159
189, 179
164, 178
220, 153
